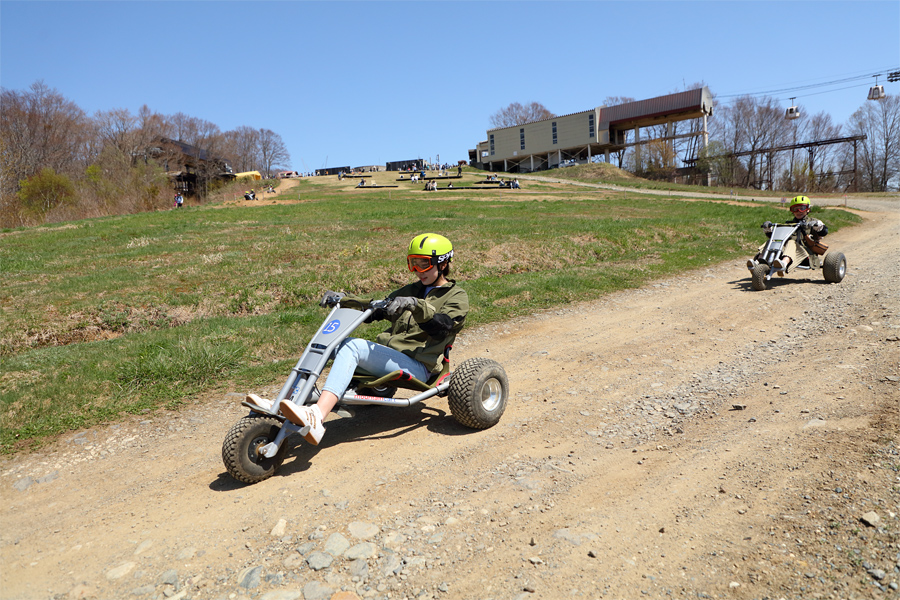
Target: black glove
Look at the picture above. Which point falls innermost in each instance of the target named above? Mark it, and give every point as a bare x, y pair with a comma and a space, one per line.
377, 315
400, 304
330, 299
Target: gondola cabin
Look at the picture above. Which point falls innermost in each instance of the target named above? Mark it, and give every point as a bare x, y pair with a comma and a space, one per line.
876, 92
792, 113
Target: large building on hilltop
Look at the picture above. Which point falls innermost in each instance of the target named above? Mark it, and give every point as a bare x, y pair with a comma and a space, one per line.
578, 136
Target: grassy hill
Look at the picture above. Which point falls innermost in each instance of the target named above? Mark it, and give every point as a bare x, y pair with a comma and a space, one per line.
107, 317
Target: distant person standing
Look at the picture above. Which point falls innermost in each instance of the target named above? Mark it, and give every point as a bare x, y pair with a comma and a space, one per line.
459, 171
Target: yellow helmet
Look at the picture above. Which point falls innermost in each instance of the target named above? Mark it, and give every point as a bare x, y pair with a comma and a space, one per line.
436, 248
800, 200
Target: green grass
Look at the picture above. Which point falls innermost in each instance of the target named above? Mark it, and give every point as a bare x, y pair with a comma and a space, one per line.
105, 317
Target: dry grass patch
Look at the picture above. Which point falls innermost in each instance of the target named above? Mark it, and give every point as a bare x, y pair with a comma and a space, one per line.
596, 171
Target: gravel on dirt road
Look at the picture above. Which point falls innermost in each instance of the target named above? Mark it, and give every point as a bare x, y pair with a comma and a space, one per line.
693, 438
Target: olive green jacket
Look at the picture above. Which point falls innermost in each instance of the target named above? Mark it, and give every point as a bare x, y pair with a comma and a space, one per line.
424, 332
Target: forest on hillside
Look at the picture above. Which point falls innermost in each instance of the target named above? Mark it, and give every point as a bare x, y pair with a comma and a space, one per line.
59, 163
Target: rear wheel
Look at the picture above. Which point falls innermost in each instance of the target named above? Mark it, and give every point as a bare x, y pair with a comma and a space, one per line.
758, 276
834, 267
385, 391
478, 392
241, 448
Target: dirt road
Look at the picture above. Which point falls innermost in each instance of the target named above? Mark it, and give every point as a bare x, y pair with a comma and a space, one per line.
690, 439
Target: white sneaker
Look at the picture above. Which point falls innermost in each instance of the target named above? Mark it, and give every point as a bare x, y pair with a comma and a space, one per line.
779, 264
261, 403
305, 416
751, 264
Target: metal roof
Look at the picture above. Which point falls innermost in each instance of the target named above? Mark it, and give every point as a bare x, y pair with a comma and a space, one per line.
686, 105
641, 113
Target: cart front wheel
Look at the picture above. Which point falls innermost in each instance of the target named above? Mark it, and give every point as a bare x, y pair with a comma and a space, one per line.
758, 276
241, 450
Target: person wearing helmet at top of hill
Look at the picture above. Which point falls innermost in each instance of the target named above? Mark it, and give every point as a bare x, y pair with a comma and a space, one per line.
425, 317
794, 253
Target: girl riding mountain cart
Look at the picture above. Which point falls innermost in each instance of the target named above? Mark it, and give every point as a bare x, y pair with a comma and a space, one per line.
407, 364
794, 254
425, 317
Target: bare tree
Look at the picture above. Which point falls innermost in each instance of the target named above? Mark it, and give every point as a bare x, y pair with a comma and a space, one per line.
241, 148
179, 126
519, 114
714, 160
821, 158
202, 134
763, 120
272, 151
729, 135
40, 129
151, 127
118, 128
752, 125
879, 156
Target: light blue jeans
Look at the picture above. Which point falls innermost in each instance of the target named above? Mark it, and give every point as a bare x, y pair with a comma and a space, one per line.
372, 358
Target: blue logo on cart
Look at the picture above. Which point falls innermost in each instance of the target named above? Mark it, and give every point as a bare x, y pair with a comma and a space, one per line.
331, 327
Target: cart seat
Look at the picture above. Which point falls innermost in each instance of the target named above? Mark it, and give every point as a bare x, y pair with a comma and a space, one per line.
402, 379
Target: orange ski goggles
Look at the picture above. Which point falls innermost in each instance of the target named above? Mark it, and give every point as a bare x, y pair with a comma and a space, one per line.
419, 264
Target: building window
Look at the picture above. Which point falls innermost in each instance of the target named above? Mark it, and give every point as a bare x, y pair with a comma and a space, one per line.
554, 132
591, 125
522, 139
492, 144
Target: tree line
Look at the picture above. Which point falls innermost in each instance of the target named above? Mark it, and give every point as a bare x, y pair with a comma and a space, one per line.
60, 163
751, 126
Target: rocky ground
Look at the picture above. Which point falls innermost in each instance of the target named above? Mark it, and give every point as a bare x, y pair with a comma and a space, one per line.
690, 439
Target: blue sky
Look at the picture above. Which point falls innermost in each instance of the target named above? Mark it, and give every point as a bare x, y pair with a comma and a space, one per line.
358, 83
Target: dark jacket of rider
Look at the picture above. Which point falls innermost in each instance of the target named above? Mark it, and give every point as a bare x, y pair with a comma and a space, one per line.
424, 332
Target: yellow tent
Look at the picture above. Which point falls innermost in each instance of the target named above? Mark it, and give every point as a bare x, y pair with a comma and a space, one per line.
254, 175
